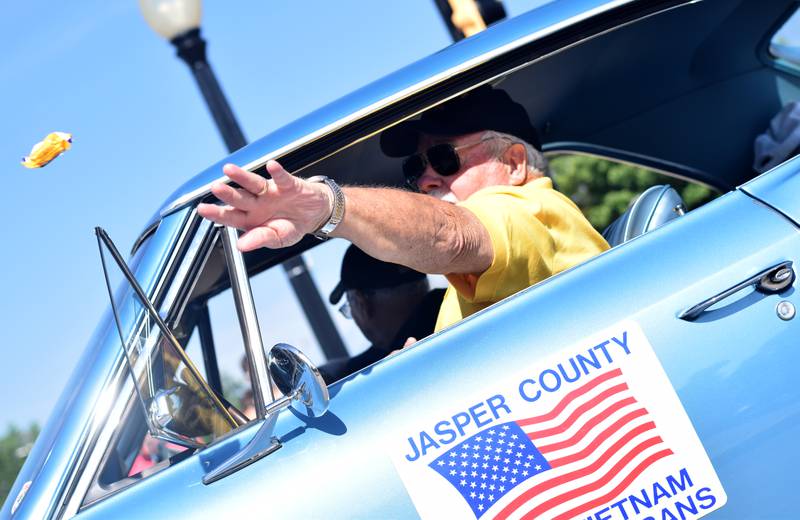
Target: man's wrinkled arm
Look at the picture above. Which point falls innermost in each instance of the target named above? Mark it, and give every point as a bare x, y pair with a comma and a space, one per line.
397, 226
415, 230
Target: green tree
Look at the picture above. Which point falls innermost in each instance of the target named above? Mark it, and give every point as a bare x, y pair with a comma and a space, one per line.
14, 448
604, 189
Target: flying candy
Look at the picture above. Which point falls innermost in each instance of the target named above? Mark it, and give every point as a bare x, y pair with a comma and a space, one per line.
45, 151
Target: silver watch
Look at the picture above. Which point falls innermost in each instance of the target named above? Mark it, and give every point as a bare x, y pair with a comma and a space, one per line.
337, 214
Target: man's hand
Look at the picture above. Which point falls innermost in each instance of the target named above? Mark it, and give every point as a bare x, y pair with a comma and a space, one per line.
392, 225
273, 213
410, 341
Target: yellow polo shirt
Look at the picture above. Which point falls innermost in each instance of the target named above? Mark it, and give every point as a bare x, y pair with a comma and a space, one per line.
536, 232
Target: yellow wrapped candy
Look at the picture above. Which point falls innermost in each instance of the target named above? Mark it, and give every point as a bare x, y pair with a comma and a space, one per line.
45, 151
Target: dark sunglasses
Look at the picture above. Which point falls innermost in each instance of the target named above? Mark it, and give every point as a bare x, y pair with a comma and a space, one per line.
443, 158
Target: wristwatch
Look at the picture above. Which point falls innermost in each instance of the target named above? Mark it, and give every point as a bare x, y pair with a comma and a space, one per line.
337, 214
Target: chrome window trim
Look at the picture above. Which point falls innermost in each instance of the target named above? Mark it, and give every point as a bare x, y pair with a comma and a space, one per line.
100, 427
144, 236
461, 68
178, 293
248, 321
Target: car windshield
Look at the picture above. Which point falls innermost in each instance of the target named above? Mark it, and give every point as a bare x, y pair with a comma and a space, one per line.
178, 405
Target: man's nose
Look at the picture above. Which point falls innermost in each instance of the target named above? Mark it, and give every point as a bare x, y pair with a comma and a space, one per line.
429, 181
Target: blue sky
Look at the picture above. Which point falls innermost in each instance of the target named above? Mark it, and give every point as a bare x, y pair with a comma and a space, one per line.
94, 68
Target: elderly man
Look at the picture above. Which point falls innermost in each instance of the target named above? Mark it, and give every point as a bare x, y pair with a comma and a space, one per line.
494, 224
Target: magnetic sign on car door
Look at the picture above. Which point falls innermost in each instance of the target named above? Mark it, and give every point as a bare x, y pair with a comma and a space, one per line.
595, 431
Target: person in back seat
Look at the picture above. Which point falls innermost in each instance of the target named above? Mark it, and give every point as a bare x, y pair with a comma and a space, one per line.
390, 303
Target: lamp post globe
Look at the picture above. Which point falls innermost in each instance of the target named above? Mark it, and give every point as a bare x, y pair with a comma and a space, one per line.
179, 22
171, 18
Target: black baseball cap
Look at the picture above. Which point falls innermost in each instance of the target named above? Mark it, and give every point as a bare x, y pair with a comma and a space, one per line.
361, 271
485, 108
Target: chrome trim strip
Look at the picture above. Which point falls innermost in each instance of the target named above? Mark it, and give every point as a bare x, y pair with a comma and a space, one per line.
178, 293
405, 93
144, 235
248, 321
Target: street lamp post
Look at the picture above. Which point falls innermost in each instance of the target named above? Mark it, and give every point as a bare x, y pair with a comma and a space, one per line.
179, 22
191, 48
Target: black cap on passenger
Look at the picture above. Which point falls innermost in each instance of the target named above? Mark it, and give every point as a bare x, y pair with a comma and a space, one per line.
361, 271
485, 108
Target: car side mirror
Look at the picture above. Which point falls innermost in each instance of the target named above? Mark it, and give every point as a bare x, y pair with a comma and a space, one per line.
303, 389
298, 379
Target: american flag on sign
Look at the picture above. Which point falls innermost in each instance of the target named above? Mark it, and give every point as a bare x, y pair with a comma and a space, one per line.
578, 456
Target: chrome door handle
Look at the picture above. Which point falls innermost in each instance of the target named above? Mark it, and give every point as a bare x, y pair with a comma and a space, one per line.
769, 281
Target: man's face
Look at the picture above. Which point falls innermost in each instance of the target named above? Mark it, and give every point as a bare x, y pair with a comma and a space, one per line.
479, 169
380, 314
369, 320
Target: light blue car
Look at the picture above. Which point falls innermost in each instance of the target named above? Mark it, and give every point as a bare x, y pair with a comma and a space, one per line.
656, 380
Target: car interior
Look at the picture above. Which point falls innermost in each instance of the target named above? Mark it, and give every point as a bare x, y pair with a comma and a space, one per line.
689, 106
683, 92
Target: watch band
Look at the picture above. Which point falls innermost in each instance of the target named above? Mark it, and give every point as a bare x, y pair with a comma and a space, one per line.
337, 214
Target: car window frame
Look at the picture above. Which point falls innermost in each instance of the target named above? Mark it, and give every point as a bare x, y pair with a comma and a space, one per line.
118, 390
180, 281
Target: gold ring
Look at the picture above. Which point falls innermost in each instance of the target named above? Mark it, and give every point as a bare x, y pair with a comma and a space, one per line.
264, 189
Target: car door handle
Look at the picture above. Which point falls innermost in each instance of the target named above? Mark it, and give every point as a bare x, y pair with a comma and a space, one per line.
769, 281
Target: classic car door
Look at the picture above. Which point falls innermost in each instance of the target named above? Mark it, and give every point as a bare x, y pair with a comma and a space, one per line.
731, 367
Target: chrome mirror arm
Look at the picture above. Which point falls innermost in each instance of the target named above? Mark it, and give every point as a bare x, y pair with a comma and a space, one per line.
283, 402
262, 444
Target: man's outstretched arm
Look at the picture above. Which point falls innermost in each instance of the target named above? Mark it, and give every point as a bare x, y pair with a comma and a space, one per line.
392, 225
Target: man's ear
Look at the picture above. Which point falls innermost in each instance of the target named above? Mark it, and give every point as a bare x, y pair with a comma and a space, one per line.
516, 157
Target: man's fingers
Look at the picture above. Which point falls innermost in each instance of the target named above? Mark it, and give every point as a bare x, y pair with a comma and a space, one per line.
273, 233
258, 237
224, 215
240, 199
283, 179
286, 230
276, 234
253, 183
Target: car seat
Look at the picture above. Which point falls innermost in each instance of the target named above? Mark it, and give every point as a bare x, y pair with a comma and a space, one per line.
657, 205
